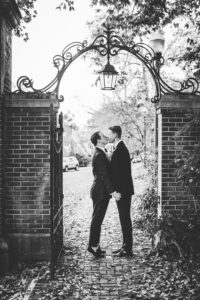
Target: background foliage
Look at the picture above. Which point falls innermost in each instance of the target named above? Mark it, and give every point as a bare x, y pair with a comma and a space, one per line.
135, 17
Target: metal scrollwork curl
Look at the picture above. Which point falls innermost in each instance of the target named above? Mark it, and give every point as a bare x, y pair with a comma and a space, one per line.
155, 99
24, 83
190, 83
100, 44
61, 98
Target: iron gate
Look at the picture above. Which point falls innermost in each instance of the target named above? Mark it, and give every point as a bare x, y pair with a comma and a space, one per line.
56, 186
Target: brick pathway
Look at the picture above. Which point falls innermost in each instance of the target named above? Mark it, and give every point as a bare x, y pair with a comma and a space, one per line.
105, 278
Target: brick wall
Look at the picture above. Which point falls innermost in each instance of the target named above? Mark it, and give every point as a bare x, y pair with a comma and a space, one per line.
1, 172
5, 86
173, 114
27, 176
9, 18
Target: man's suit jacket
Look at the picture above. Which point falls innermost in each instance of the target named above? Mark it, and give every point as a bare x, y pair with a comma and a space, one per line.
121, 170
102, 186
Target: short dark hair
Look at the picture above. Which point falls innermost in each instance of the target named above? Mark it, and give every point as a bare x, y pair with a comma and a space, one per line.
117, 130
95, 137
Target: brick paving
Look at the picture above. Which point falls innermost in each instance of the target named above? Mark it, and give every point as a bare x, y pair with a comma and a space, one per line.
106, 278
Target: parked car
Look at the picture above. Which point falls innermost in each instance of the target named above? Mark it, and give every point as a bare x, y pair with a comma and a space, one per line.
136, 159
70, 163
84, 161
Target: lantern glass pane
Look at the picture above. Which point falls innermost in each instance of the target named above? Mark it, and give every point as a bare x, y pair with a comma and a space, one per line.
114, 81
108, 81
101, 80
157, 45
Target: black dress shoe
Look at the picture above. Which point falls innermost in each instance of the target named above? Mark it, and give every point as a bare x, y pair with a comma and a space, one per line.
102, 251
124, 253
118, 250
98, 253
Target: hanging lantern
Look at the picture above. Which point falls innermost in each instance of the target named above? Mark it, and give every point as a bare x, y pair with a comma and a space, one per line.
108, 77
157, 42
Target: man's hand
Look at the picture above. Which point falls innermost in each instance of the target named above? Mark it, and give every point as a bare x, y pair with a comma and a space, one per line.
109, 154
116, 196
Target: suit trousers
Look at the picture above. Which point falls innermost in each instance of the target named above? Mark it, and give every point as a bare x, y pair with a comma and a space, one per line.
124, 207
99, 210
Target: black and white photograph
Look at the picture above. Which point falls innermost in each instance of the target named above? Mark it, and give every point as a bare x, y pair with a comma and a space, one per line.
99, 149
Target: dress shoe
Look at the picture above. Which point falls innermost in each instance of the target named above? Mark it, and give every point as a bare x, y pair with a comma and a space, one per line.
117, 251
124, 253
98, 253
101, 250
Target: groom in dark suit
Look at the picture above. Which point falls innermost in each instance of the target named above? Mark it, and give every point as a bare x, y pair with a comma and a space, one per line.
101, 191
123, 184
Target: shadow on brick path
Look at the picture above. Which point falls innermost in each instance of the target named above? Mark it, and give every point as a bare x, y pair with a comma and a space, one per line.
105, 278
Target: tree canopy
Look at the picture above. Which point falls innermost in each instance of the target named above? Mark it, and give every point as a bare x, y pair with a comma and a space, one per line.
27, 8
135, 17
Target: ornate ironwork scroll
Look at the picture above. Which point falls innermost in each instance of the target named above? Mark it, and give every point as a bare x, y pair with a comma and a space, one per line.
109, 44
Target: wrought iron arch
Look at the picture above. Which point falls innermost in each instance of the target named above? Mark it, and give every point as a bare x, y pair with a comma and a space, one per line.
108, 44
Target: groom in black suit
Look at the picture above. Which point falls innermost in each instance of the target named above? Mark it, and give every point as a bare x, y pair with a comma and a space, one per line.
123, 184
101, 191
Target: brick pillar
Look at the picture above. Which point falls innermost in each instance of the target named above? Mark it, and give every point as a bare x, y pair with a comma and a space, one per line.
172, 115
9, 19
27, 176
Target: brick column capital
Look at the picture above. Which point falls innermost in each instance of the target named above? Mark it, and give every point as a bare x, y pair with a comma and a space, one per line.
183, 102
23, 100
10, 11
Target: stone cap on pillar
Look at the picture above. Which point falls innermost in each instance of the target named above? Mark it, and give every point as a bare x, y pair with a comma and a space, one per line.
10, 11
31, 100
182, 101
